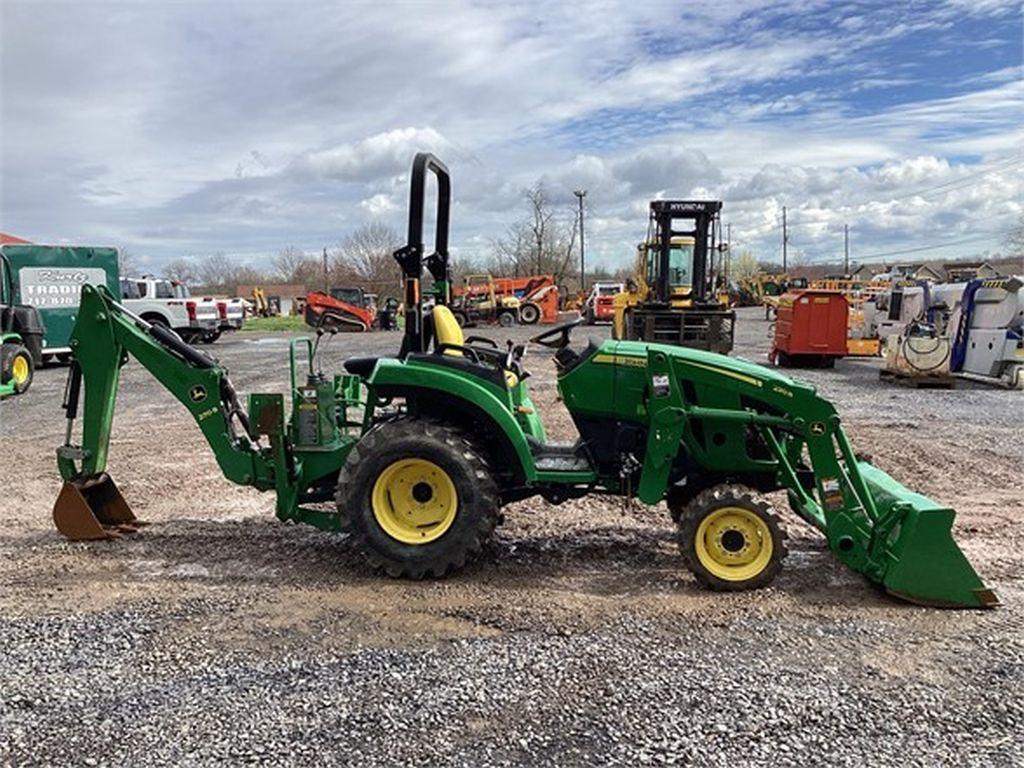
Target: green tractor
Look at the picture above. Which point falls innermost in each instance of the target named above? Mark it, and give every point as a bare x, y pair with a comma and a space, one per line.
413, 455
21, 337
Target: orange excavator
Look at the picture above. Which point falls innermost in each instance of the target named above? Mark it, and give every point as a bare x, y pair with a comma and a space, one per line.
344, 309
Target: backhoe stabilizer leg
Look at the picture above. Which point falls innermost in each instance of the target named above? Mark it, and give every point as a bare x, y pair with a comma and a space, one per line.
910, 549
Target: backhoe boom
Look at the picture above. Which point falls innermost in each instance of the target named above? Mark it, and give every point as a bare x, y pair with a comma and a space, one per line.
105, 336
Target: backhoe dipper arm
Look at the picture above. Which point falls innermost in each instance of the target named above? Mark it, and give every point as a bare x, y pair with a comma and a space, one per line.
104, 337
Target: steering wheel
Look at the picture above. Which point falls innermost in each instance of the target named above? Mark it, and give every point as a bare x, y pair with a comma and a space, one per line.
557, 337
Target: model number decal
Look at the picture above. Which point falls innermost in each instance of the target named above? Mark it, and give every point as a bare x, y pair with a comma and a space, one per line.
204, 415
639, 362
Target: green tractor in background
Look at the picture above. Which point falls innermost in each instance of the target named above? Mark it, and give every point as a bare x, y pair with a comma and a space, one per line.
413, 455
21, 337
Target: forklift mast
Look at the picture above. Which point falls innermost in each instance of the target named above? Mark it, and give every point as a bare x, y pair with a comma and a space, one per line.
703, 214
410, 256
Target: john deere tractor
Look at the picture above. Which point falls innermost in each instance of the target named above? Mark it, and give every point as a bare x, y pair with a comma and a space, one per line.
414, 454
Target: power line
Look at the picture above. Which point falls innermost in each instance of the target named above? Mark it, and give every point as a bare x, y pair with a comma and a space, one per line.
930, 247
947, 186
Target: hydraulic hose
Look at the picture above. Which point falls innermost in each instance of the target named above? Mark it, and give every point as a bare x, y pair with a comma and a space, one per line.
922, 369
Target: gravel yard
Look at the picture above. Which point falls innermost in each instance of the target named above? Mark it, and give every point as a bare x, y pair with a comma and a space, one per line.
219, 635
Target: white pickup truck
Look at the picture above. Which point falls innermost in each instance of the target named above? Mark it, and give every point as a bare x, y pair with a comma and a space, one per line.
232, 315
168, 303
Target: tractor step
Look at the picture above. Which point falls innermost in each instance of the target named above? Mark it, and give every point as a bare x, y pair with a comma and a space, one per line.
559, 457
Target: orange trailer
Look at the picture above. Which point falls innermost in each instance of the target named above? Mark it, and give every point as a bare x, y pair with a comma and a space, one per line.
810, 328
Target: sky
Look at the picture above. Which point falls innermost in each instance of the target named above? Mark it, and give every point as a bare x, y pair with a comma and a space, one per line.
178, 129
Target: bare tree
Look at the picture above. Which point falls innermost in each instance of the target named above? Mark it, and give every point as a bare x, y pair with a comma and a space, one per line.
217, 272
1015, 240
511, 251
125, 262
540, 222
542, 242
293, 265
183, 270
744, 264
365, 258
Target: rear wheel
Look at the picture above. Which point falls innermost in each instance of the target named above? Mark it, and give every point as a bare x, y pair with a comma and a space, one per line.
156, 320
417, 498
731, 539
209, 338
16, 366
506, 319
461, 318
529, 314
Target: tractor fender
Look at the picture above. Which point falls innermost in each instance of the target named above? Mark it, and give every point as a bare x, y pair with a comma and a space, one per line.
453, 396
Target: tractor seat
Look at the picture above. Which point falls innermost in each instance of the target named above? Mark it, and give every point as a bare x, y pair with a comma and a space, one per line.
448, 331
360, 366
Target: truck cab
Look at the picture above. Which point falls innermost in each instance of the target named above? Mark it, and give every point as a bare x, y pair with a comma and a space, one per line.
170, 304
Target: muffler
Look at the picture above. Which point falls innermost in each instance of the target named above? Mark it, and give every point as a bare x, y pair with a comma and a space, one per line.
93, 509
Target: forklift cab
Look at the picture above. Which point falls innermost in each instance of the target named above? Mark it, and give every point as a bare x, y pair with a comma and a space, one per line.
678, 266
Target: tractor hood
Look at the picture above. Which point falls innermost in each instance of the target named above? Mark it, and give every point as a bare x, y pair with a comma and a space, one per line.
734, 368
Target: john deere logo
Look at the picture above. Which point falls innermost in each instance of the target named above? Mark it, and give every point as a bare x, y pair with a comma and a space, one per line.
197, 394
818, 428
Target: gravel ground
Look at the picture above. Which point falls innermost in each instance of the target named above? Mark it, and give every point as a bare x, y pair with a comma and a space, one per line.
219, 635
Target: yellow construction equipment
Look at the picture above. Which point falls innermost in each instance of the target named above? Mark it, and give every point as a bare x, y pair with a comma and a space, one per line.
671, 297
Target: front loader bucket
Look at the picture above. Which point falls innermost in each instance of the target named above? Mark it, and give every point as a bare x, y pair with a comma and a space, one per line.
919, 559
92, 508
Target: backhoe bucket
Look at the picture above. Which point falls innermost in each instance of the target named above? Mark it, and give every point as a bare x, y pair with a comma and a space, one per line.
92, 508
921, 563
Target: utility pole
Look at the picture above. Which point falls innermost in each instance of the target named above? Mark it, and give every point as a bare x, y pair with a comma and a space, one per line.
785, 241
846, 250
581, 193
327, 282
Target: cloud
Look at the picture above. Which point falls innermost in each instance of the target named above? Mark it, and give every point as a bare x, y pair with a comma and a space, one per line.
379, 205
242, 128
378, 156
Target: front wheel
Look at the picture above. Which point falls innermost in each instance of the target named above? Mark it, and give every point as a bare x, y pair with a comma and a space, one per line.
731, 539
16, 366
417, 498
506, 319
529, 314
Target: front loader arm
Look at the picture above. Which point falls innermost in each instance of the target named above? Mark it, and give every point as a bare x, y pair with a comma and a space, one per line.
104, 337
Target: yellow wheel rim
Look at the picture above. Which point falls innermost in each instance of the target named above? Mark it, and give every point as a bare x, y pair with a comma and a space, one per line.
734, 544
20, 370
414, 501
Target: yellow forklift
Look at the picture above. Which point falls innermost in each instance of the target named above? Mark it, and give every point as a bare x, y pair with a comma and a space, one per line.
672, 298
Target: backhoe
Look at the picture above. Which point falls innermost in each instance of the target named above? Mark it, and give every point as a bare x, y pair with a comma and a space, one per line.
413, 455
